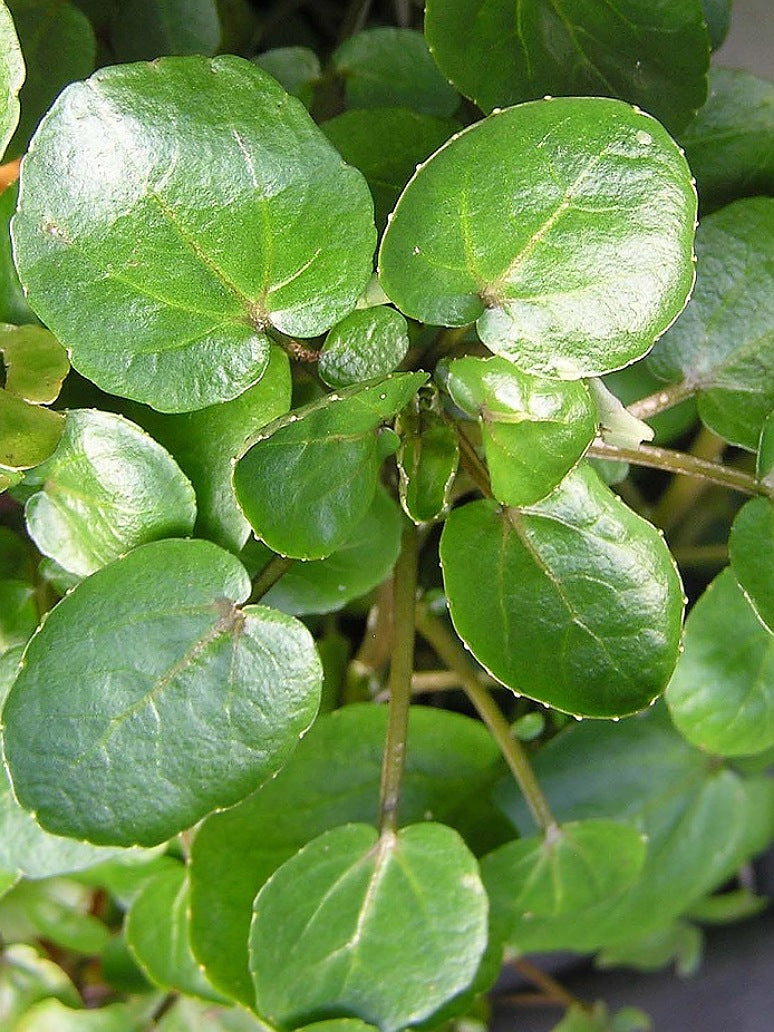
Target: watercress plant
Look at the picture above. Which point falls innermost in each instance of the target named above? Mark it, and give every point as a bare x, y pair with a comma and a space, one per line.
334, 345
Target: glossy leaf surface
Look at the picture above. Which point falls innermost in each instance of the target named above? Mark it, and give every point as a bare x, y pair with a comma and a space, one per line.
575, 602
121, 755
651, 53
427, 458
368, 343
185, 246
386, 929
751, 546
35, 363
12, 73
722, 347
145, 29
722, 694
569, 242
106, 489
730, 143
387, 144
360, 565
311, 476
332, 779
390, 67
534, 430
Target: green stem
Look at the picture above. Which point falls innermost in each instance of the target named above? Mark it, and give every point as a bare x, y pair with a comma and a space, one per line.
399, 684
473, 464
268, 577
453, 655
683, 492
683, 463
660, 401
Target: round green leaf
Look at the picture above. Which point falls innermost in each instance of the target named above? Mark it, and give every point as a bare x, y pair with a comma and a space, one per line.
751, 547
333, 778
730, 143
202, 207
28, 433
575, 602
534, 430
570, 868
157, 934
360, 565
26, 977
389, 67
427, 458
101, 736
310, 477
207, 442
721, 696
12, 73
565, 230
35, 363
18, 613
384, 928
387, 144
107, 488
500, 52
53, 1016
722, 346
13, 304
297, 69
58, 44
144, 29
188, 1015
366, 344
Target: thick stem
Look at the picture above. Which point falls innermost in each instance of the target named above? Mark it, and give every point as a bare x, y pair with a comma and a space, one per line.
399, 684
660, 401
268, 577
453, 655
683, 463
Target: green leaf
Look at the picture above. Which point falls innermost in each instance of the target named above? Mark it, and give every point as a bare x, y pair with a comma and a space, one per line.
157, 934
388, 67
297, 69
575, 602
18, 613
333, 778
679, 942
578, 1019
53, 1016
366, 344
701, 821
35, 363
107, 488
58, 44
26, 977
144, 29
574, 252
534, 430
751, 548
717, 14
12, 74
721, 696
338, 1025
427, 458
498, 52
560, 874
16, 561
728, 907
55, 910
387, 144
202, 207
730, 143
310, 477
764, 466
189, 1015
387, 928
28, 433
101, 737
722, 346
207, 442
13, 304
354, 569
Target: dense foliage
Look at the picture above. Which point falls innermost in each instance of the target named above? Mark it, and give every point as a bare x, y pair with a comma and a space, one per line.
325, 513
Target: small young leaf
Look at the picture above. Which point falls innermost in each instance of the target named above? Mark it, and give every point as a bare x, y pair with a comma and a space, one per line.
386, 927
157, 934
730, 143
751, 548
35, 363
145, 29
354, 569
722, 346
188, 1015
202, 206
498, 52
680, 943
28, 433
107, 488
389, 67
101, 737
721, 696
12, 73
387, 144
427, 458
53, 1016
297, 69
311, 476
534, 430
572, 249
367, 344
575, 602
